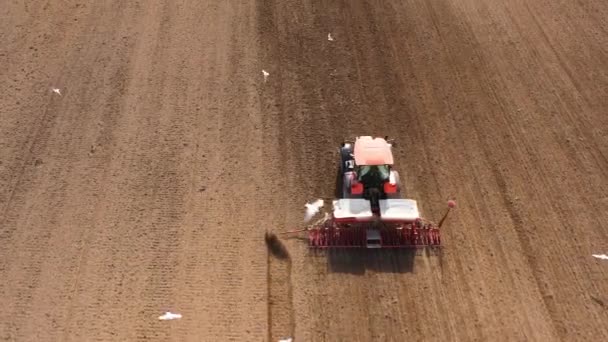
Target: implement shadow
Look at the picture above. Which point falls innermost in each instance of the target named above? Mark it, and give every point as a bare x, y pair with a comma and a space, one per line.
357, 261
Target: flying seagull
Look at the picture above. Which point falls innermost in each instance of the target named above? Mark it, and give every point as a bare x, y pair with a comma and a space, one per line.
169, 316
312, 209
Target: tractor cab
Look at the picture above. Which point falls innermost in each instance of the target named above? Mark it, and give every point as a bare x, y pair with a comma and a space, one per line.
371, 175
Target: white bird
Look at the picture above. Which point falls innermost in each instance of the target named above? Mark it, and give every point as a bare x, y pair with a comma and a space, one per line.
265, 74
329, 37
601, 256
312, 209
56, 90
169, 316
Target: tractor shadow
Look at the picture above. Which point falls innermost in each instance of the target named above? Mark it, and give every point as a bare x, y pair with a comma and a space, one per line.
358, 261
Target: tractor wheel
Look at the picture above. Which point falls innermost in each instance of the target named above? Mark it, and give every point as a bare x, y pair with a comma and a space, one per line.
339, 183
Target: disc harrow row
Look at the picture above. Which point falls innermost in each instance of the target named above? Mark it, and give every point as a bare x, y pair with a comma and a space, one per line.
358, 237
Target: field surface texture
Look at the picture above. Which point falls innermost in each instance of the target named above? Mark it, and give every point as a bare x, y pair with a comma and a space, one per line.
147, 182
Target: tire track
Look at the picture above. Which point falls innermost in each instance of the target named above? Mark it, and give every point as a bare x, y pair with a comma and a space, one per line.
281, 321
281, 316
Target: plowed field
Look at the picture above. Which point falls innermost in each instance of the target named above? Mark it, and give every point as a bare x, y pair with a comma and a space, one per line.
148, 183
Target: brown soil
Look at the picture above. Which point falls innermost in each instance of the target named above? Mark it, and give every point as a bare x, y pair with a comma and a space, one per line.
149, 183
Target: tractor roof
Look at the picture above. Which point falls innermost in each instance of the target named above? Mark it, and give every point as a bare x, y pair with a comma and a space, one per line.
372, 151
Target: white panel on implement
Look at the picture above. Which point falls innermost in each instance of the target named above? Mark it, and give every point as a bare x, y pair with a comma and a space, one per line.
399, 209
352, 208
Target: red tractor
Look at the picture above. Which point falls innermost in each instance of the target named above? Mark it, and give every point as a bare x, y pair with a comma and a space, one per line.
370, 212
366, 170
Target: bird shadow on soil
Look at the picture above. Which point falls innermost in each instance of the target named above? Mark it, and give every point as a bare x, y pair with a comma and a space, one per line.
599, 301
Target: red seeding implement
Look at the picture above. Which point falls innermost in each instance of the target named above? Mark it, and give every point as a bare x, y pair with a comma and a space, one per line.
370, 212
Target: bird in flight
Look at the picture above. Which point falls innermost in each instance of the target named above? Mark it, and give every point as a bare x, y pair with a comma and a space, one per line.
169, 316
312, 209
